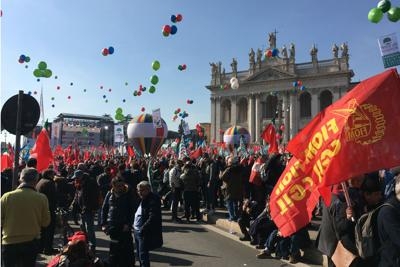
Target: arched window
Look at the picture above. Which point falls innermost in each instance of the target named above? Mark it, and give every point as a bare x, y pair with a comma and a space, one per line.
242, 110
269, 107
305, 105
226, 111
325, 99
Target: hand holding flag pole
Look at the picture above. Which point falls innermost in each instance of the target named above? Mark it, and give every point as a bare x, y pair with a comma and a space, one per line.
347, 197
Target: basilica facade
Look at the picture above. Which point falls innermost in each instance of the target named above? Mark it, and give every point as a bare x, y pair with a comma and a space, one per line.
275, 88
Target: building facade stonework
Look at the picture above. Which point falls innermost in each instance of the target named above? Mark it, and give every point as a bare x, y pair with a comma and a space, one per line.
267, 93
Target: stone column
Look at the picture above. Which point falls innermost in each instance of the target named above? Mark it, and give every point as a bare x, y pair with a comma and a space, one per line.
250, 117
258, 117
314, 104
213, 120
218, 118
293, 115
286, 113
233, 110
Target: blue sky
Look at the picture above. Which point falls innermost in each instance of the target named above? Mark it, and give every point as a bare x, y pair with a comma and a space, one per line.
69, 36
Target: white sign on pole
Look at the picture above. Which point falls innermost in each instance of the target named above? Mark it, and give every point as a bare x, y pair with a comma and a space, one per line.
389, 50
118, 133
157, 118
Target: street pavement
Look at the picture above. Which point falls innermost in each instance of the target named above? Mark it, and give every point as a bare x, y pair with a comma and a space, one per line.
195, 244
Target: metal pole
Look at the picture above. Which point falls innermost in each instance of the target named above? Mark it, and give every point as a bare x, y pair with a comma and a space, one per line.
17, 139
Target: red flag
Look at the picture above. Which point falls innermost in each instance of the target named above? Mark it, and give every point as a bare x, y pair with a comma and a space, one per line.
42, 151
131, 153
269, 136
355, 135
6, 161
197, 153
255, 175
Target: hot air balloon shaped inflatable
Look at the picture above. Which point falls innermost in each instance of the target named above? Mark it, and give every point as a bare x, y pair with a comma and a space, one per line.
233, 135
144, 137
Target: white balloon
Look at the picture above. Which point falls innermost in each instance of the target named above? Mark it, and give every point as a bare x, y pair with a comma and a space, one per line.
235, 85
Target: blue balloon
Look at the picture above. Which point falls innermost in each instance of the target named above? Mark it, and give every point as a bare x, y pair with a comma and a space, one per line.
275, 52
294, 84
173, 18
174, 29
111, 50
302, 88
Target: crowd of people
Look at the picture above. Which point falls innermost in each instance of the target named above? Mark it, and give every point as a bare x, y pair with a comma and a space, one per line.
126, 198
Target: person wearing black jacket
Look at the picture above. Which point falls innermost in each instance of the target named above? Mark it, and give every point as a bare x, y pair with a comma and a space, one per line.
147, 224
117, 217
389, 229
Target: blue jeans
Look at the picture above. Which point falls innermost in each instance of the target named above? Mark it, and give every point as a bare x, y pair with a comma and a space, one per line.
232, 206
88, 227
141, 250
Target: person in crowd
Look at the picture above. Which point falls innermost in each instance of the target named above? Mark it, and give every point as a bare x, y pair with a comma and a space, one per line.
176, 185
389, 227
248, 214
24, 211
287, 248
215, 168
6, 180
47, 186
87, 197
365, 193
117, 215
76, 253
136, 173
155, 176
261, 227
233, 184
104, 183
203, 164
31, 163
191, 184
147, 224
64, 192
326, 239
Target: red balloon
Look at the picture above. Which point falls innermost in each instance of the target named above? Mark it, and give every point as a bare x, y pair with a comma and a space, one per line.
282, 127
269, 53
105, 51
166, 29
179, 110
20, 60
299, 83
142, 109
139, 93
179, 17
184, 66
69, 97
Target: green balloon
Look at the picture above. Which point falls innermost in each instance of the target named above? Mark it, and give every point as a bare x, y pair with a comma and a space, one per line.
155, 65
384, 5
27, 59
119, 111
37, 73
47, 73
42, 65
394, 14
152, 89
154, 79
375, 15
119, 117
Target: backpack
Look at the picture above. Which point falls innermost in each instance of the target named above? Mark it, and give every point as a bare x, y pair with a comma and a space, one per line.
366, 236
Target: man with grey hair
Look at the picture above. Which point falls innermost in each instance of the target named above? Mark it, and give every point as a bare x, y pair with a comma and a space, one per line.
24, 212
147, 226
389, 227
